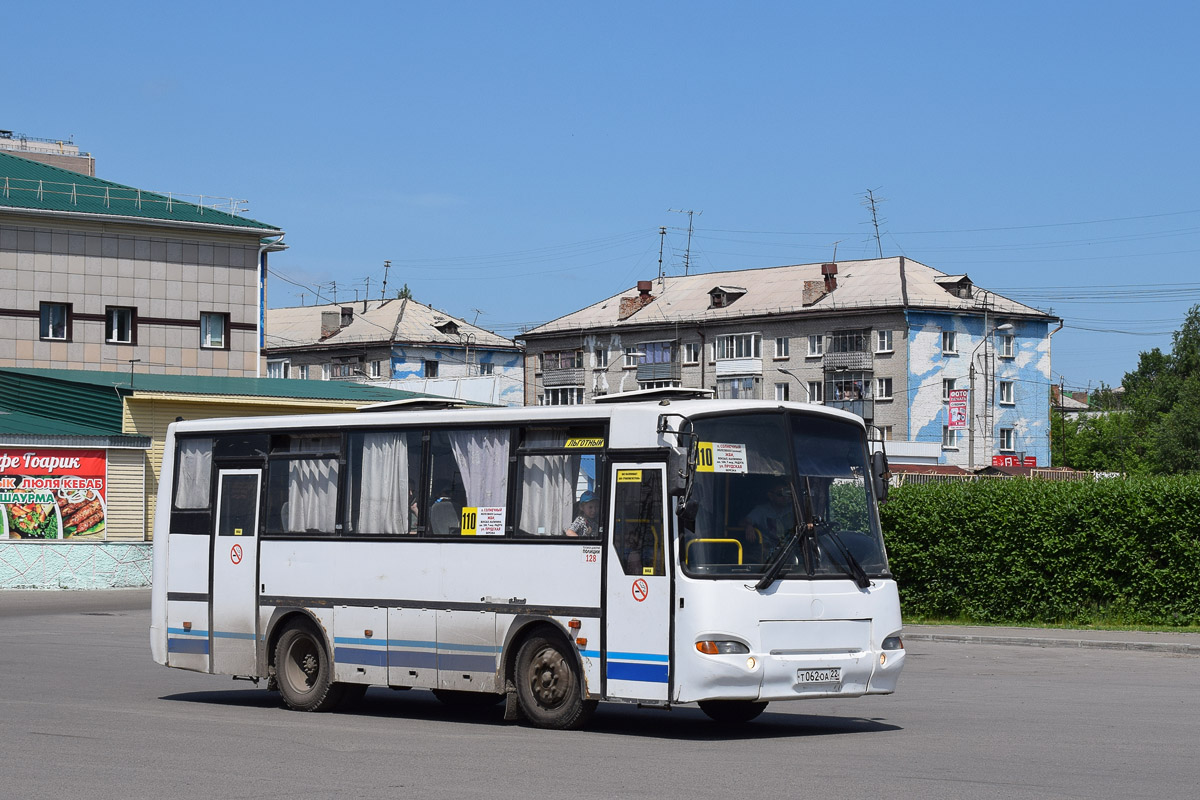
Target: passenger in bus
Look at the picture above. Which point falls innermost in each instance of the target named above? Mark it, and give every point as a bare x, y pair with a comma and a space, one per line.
772, 518
585, 523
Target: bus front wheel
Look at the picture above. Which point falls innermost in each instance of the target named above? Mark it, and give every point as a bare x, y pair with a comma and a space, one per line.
549, 686
304, 671
732, 711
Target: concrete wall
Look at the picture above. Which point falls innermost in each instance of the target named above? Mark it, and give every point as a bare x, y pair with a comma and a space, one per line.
74, 565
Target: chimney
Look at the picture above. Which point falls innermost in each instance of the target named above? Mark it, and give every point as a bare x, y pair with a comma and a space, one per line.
813, 291
631, 305
330, 323
347, 315
830, 273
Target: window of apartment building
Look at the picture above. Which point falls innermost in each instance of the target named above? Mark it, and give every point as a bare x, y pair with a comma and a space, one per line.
487, 368
562, 359
947, 388
816, 392
1005, 346
376, 369
214, 331
601, 356
301, 372
850, 385
658, 384
781, 391
783, 347
848, 341
345, 370
741, 388
949, 343
1008, 439
883, 341
326, 369
949, 438
566, 396
278, 368
55, 322
691, 352
120, 325
431, 369
816, 346
657, 352
739, 345
883, 388
633, 357
886, 432
1004, 392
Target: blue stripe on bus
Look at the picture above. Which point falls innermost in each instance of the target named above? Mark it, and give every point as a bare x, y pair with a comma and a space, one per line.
647, 673
187, 632
358, 655
411, 643
412, 658
638, 656
196, 646
232, 635
590, 653
461, 663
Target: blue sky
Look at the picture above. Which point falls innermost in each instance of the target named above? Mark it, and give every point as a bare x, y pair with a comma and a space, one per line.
514, 161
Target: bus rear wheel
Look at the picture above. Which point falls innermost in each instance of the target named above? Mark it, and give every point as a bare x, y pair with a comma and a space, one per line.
549, 686
304, 671
732, 711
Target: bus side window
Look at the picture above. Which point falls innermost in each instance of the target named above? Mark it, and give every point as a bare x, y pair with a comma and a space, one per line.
469, 469
638, 524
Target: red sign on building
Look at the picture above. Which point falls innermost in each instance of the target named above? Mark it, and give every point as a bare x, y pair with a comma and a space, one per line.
1014, 461
52, 494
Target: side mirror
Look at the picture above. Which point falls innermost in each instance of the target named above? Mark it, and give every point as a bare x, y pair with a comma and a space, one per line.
881, 478
687, 514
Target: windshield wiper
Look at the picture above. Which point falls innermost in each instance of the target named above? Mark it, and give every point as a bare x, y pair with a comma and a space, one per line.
801, 533
849, 562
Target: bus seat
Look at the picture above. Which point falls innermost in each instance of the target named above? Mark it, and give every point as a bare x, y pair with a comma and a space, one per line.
443, 518
715, 551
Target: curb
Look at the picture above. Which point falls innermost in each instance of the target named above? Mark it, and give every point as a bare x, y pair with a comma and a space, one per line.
1177, 648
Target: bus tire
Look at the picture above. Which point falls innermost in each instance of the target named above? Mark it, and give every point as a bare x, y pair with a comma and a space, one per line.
732, 712
549, 686
305, 672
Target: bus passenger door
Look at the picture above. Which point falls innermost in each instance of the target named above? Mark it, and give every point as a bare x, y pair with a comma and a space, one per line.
638, 595
235, 573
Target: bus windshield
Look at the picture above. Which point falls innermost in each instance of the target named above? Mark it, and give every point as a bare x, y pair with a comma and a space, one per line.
793, 487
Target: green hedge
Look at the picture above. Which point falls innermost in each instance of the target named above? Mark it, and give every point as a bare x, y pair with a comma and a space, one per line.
1041, 551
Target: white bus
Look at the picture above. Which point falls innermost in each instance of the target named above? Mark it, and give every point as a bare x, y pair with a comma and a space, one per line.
720, 552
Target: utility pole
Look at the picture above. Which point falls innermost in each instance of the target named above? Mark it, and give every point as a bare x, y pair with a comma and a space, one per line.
387, 265
687, 254
872, 202
662, 235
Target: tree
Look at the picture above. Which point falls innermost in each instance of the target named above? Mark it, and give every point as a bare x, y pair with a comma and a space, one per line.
404, 294
1164, 395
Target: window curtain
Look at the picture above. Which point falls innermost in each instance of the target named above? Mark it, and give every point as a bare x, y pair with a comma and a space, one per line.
312, 487
482, 459
383, 490
547, 494
192, 484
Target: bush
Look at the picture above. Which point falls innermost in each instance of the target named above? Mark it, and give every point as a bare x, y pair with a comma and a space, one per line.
1040, 551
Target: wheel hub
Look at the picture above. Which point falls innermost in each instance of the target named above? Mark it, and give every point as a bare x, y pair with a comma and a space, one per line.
549, 678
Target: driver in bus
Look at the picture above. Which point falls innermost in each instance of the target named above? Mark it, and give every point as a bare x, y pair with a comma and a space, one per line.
773, 517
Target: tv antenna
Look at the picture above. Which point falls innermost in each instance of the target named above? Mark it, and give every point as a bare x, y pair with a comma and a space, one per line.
687, 254
871, 201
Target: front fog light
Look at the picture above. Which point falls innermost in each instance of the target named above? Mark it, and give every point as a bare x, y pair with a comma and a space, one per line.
722, 648
751, 663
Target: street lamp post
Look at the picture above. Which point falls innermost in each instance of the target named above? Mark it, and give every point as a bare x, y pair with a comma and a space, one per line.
791, 374
971, 430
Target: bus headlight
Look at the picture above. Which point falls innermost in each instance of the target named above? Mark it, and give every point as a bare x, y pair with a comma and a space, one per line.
722, 648
893, 643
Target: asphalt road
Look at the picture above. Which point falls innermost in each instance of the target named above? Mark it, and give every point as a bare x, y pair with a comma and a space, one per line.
85, 713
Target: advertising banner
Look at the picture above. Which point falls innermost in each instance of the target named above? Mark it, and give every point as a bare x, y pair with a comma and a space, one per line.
1014, 461
958, 409
52, 494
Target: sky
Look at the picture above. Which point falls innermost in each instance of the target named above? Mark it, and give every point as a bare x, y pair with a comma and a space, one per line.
516, 161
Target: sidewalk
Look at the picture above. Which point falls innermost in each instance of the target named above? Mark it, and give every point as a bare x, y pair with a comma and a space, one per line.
1180, 643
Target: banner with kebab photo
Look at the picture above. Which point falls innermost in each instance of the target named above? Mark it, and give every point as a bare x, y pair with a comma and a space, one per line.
52, 494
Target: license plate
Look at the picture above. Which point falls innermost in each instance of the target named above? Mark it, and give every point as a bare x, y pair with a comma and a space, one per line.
829, 675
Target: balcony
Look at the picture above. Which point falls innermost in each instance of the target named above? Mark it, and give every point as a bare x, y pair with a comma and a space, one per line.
859, 360
864, 408
668, 371
571, 376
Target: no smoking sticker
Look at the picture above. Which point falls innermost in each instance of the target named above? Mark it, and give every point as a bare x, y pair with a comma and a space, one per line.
640, 590
235, 555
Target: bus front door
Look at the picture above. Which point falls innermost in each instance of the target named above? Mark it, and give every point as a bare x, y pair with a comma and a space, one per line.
638, 595
235, 573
